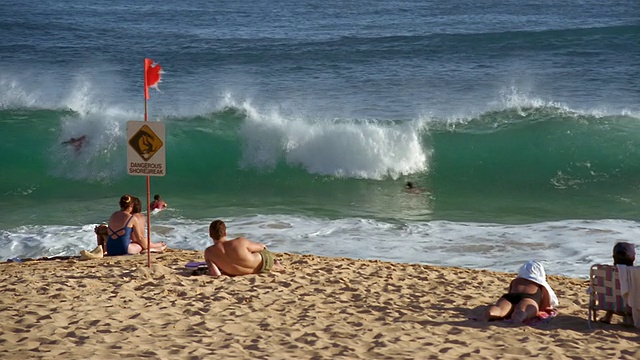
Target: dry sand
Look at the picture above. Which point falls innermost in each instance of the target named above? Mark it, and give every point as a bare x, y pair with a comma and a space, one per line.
319, 308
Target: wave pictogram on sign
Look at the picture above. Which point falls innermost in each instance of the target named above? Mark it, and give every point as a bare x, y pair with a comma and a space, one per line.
145, 143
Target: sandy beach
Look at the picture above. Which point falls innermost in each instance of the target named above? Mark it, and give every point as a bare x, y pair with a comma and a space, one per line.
319, 308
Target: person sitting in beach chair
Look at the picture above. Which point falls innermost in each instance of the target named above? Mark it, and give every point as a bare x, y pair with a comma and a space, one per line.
624, 253
239, 256
528, 294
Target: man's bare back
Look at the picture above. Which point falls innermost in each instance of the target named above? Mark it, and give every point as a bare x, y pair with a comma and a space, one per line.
239, 256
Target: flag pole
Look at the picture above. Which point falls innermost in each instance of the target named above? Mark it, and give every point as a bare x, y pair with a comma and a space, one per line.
146, 119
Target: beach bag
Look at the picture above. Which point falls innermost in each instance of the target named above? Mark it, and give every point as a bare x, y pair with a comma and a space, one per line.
102, 234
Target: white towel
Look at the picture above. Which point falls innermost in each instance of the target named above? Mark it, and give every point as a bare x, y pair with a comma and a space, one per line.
630, 289
625, 281
633, 277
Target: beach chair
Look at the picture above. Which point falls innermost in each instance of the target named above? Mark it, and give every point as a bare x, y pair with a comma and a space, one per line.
604, 292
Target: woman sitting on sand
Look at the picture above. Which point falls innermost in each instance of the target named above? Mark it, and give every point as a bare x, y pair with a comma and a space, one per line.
126, 231
102, 231
137, 209
528, 293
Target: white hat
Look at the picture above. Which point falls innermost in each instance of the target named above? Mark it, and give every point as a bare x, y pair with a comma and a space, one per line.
534, 271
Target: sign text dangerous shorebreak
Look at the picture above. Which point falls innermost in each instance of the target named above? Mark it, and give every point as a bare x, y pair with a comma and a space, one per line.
146, 169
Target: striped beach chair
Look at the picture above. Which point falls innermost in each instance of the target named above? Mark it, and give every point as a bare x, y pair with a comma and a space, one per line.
604, 292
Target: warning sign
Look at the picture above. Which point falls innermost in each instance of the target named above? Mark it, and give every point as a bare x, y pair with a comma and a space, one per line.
145, 150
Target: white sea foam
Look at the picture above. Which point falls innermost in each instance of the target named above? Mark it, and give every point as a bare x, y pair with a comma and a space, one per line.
565, 247
349, 148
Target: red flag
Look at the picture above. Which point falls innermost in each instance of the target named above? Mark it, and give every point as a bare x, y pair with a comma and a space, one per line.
151, 76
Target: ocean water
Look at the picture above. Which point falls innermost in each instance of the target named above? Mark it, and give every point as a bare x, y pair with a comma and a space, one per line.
299, 122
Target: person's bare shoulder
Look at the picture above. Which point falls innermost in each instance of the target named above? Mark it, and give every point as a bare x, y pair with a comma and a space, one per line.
140, 220
241, 244
209, 252
241, 241
211, 248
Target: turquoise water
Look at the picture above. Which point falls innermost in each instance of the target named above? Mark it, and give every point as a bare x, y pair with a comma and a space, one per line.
299, 124
512, 166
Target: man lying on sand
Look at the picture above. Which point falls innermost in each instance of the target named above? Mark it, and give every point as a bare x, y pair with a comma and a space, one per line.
239, 256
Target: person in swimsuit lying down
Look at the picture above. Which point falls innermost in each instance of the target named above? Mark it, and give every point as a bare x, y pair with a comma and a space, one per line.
528, 293
239, 256
125, 230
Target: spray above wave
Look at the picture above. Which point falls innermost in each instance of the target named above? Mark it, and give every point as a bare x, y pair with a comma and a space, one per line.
341, 148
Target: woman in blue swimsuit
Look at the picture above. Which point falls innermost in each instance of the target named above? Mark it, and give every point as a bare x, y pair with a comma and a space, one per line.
123, 227
528, 293
125, 231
